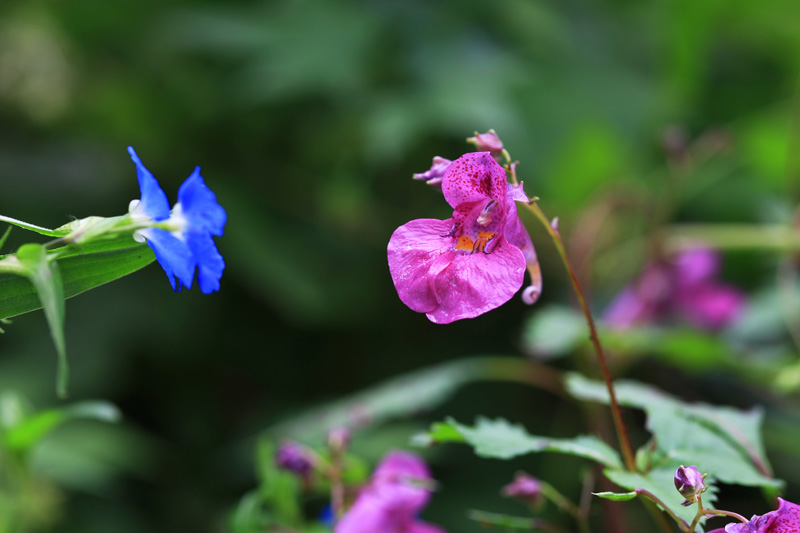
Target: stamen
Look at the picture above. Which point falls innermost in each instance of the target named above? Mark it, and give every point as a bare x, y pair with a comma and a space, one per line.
486, 214
451, 232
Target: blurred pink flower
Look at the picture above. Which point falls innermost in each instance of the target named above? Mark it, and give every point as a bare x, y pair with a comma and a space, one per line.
473, 262
524, 487
786, 519
685, 287
397, 492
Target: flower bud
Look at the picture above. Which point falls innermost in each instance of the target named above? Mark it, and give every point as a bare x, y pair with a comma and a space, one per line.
295, 458
524, 487
338, 439
690, 483
434, 175
487, 142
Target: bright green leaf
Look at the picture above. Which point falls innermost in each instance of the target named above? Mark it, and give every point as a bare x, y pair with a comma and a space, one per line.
82, 268
27, 433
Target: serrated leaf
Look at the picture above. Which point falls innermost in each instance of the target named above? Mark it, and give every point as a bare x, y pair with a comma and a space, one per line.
82, 268
24, 435
616, 496
722, 441
660, 482
46, 279
499, 439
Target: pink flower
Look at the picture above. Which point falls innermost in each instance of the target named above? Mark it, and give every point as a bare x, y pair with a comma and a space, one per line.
786, 519
434, 175
487, 142
686, 287
397, 492
473, 262
526, 488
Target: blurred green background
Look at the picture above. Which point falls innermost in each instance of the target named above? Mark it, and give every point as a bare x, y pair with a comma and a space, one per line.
308, 119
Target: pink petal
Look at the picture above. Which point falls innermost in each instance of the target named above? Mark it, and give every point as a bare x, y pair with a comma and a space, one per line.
473, 284
788, 518
696, 266
474, 177
412, 251
711, 305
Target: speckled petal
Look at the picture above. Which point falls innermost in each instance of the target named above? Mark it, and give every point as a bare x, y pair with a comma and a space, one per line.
412, 251
477, 283
474, 177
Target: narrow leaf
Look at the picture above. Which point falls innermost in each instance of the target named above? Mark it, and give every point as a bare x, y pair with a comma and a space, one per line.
4, 237
46, 279
616, 496
32, 227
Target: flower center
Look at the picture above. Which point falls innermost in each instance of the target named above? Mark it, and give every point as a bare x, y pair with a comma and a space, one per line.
479, 244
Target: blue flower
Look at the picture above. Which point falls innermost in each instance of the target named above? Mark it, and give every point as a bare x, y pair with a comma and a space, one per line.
181, 238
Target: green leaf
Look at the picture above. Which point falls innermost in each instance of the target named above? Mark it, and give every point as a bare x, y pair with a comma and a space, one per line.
82, 268
33, 227
660, 483
554, 331
499, 439
722, 441
24, 435
616, 496
398, 397
46, 279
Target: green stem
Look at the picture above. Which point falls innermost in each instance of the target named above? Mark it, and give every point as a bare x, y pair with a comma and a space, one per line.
647, 494
699, 515
616, 412
30, 227
717, 512
563, 503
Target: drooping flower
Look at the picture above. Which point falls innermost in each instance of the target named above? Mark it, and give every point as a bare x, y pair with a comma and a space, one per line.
526, 488
473, 262
690, 483
181, 238
295, 458
433, 176
684, 287
785, 519
398, 490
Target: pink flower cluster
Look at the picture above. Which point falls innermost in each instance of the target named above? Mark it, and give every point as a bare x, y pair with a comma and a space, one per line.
684, 287
397, 492
474, 261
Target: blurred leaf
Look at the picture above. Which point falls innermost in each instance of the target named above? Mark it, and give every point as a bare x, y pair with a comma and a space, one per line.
554, 331
499, 439
46, 279
722, 441
27, 433
82, 268
398, 397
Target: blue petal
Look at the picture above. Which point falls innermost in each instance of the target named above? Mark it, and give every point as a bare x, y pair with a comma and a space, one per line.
200, 205
154, 201
173, 255
209, 261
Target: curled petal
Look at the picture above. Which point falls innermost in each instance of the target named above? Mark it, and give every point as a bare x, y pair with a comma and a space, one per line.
471, 285
154, 202
173, 255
